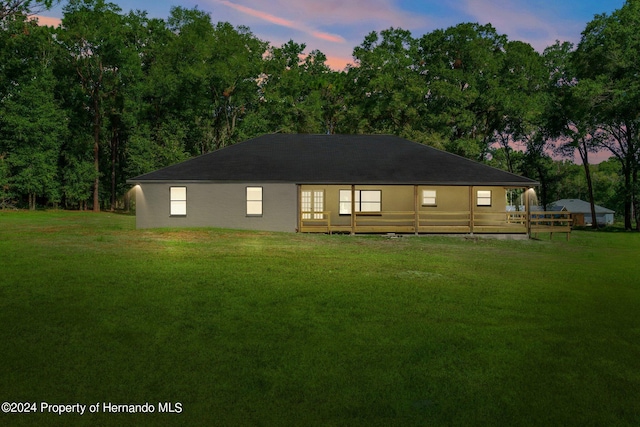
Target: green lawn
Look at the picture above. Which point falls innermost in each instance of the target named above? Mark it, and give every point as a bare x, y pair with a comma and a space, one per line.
269, 329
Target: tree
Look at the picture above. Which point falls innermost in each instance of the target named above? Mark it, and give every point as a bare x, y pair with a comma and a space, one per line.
570, 117
518, 99
607, 56
203, 79
538, 165
31, 124
5, 195
386, 93
292, 91
460, 67
98, 43
10, 8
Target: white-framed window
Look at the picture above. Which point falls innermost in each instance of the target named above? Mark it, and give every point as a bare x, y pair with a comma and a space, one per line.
178, 197
429, 198
345, 202
312, 201
483, 198
254, 201
366, 201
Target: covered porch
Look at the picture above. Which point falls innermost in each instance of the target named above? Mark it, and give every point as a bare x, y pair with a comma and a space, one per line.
444, 210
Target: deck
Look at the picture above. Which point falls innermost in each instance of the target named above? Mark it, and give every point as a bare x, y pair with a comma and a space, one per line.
463, 222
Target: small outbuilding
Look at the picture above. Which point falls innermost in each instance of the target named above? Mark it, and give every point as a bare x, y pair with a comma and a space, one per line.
581, 211
331, 183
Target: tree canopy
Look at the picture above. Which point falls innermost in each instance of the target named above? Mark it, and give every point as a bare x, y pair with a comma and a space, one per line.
109, 95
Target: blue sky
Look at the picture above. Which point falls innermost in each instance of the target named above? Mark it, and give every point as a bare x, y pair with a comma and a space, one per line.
337, 26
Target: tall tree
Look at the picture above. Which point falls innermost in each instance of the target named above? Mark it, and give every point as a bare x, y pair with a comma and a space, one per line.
31, 124
387, 95
569, 115
461, 67
204, 81
607, 56
92, 34
291, 90
538, 165
518, 99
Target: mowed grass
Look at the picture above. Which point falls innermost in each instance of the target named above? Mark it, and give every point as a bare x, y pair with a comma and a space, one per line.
271, 329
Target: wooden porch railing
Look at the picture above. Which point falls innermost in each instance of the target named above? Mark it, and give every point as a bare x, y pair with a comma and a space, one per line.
551, 222
441, 222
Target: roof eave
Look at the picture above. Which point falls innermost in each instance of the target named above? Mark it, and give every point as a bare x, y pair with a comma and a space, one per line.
135, 181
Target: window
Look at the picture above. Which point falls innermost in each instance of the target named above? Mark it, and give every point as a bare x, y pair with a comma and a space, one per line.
366, 201
312, 201
429, 198
254, 201
370, 201
345, 202
178, 201
484, 198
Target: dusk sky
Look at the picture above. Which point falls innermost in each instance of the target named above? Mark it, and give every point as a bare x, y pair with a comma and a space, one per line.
335, 27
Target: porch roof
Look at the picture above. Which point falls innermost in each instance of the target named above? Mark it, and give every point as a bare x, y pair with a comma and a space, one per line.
334, 159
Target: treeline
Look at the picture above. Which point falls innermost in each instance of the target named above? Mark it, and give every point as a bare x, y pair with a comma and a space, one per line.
110, 95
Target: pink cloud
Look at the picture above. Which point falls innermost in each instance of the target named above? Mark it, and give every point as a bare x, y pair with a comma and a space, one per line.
335, 27
338, 62
273, 19
47, 20
328, 37
520, 21
259, 14
380, 13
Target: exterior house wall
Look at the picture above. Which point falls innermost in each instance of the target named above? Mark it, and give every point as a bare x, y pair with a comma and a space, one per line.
218, 205
401, 198
393, 198
448, 198
498, 199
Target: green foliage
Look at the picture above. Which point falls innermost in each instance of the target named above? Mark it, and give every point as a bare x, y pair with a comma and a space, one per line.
5, 187
607, 58
77, 179
132, 94
32, 126
295, 89
607, 185
205, 77
385, 94
461, 66
9, 9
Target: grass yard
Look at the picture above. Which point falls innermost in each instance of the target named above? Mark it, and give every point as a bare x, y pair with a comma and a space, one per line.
269, 329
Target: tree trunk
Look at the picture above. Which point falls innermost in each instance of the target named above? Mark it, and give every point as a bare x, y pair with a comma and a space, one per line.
635, 202
96, 156
627, 198
584, 155
114, 158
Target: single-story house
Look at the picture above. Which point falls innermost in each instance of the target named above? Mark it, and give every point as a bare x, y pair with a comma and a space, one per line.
331, 183
581, 211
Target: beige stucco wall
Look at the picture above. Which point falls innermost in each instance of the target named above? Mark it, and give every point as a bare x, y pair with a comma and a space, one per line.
401, 198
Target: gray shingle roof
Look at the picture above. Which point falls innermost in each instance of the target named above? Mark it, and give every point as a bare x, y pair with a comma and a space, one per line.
579, 206
334, 159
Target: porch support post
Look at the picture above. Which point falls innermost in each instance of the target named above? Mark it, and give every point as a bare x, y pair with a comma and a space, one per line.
353, 209
299, 208
416, 219
527, 211
471, 210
